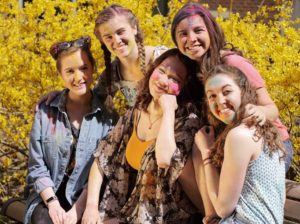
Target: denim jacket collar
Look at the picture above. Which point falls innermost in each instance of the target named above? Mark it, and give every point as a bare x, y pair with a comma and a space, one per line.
61, 100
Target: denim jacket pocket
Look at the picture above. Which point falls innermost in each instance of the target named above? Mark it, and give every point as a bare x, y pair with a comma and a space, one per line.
52, 149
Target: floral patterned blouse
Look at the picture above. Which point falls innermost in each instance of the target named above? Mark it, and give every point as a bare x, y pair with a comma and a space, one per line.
151, 194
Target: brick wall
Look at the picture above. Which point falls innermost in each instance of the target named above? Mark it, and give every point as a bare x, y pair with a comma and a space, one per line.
241, 6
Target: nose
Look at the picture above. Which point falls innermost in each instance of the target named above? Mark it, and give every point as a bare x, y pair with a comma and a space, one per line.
191, 36
163, 81
117, 38
78, 75
220, 99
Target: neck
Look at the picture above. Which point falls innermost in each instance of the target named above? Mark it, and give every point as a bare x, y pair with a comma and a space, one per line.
79, 100
132, 58
154, 108
130, 67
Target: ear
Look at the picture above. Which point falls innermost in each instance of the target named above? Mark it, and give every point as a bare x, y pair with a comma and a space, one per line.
135, 30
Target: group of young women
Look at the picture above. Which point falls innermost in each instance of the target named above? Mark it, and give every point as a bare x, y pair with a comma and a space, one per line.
200, 132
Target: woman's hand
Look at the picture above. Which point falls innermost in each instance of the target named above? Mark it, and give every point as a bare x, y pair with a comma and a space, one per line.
48, 98
204, 139
254, 113
71, 216
168, 102
91, 215
56, 212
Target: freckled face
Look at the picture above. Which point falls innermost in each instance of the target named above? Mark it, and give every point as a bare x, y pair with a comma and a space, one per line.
167, 78
192, 37
77, 72
118, 36
223, 96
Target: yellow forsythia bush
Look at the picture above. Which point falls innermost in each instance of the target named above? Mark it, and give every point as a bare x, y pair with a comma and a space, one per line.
27, 70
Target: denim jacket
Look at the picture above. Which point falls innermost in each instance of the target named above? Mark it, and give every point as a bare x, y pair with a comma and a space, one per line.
49, 149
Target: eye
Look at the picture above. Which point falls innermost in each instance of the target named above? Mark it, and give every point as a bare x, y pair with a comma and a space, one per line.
182, 34
161, 70
198, 30
211, 97
108, 38
227, 92
120, 32
84, 68
173, 79
69, 71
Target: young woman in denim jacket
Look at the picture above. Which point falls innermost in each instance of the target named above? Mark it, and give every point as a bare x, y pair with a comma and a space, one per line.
63, 139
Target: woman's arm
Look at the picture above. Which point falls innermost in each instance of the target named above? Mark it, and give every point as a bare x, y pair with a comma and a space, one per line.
265, 108
56, 212
208, 209
165, 142
48, 98
224, 190
38, 173
75, 213
91, 213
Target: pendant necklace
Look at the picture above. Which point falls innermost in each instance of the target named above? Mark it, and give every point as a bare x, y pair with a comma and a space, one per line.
153, 122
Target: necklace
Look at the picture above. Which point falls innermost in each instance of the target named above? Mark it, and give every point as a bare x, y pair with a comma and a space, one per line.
152, 122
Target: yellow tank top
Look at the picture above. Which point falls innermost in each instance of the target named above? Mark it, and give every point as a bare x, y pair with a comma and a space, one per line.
136, 148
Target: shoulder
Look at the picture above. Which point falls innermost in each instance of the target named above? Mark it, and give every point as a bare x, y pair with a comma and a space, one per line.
152, 52
240, 131
231, 58
241, 137
246, 67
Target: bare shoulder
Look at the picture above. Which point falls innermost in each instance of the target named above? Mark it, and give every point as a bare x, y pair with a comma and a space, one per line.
149, 50
241, 136
152, 52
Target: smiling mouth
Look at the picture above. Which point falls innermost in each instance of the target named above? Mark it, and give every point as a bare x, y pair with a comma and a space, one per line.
194, 48
80, 85
161, 89
120, 47
224, 112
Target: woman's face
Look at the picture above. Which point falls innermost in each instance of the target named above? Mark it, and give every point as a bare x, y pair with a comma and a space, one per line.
76, 72
168, 78
118, 36
223, 97
192, 37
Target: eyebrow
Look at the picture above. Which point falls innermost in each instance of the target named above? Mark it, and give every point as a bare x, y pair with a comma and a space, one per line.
227, 85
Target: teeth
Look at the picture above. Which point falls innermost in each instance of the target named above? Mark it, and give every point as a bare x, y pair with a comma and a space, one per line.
224, 110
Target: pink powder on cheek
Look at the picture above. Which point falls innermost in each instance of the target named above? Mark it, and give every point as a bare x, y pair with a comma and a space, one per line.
155, 75
174, 88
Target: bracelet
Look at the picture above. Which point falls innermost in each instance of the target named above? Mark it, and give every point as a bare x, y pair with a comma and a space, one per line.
51, 199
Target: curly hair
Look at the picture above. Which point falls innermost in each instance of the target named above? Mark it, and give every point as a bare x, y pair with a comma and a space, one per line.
192, 92
267, 131
217, 39
104, 16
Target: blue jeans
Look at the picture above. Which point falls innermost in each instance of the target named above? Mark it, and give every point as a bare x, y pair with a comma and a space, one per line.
289, 153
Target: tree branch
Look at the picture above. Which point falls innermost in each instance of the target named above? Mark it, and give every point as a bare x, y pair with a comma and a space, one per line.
13, 147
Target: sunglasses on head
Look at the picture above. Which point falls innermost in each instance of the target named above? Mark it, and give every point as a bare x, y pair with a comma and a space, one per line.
57, 48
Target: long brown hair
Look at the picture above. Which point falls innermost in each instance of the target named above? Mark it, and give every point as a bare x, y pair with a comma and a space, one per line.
192, 91
104, 16
267, 131
217, 39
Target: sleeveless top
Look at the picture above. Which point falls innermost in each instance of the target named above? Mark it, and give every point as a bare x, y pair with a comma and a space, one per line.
263, 194
136, 148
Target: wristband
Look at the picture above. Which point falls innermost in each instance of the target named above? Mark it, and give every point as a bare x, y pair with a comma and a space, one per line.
51, 199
